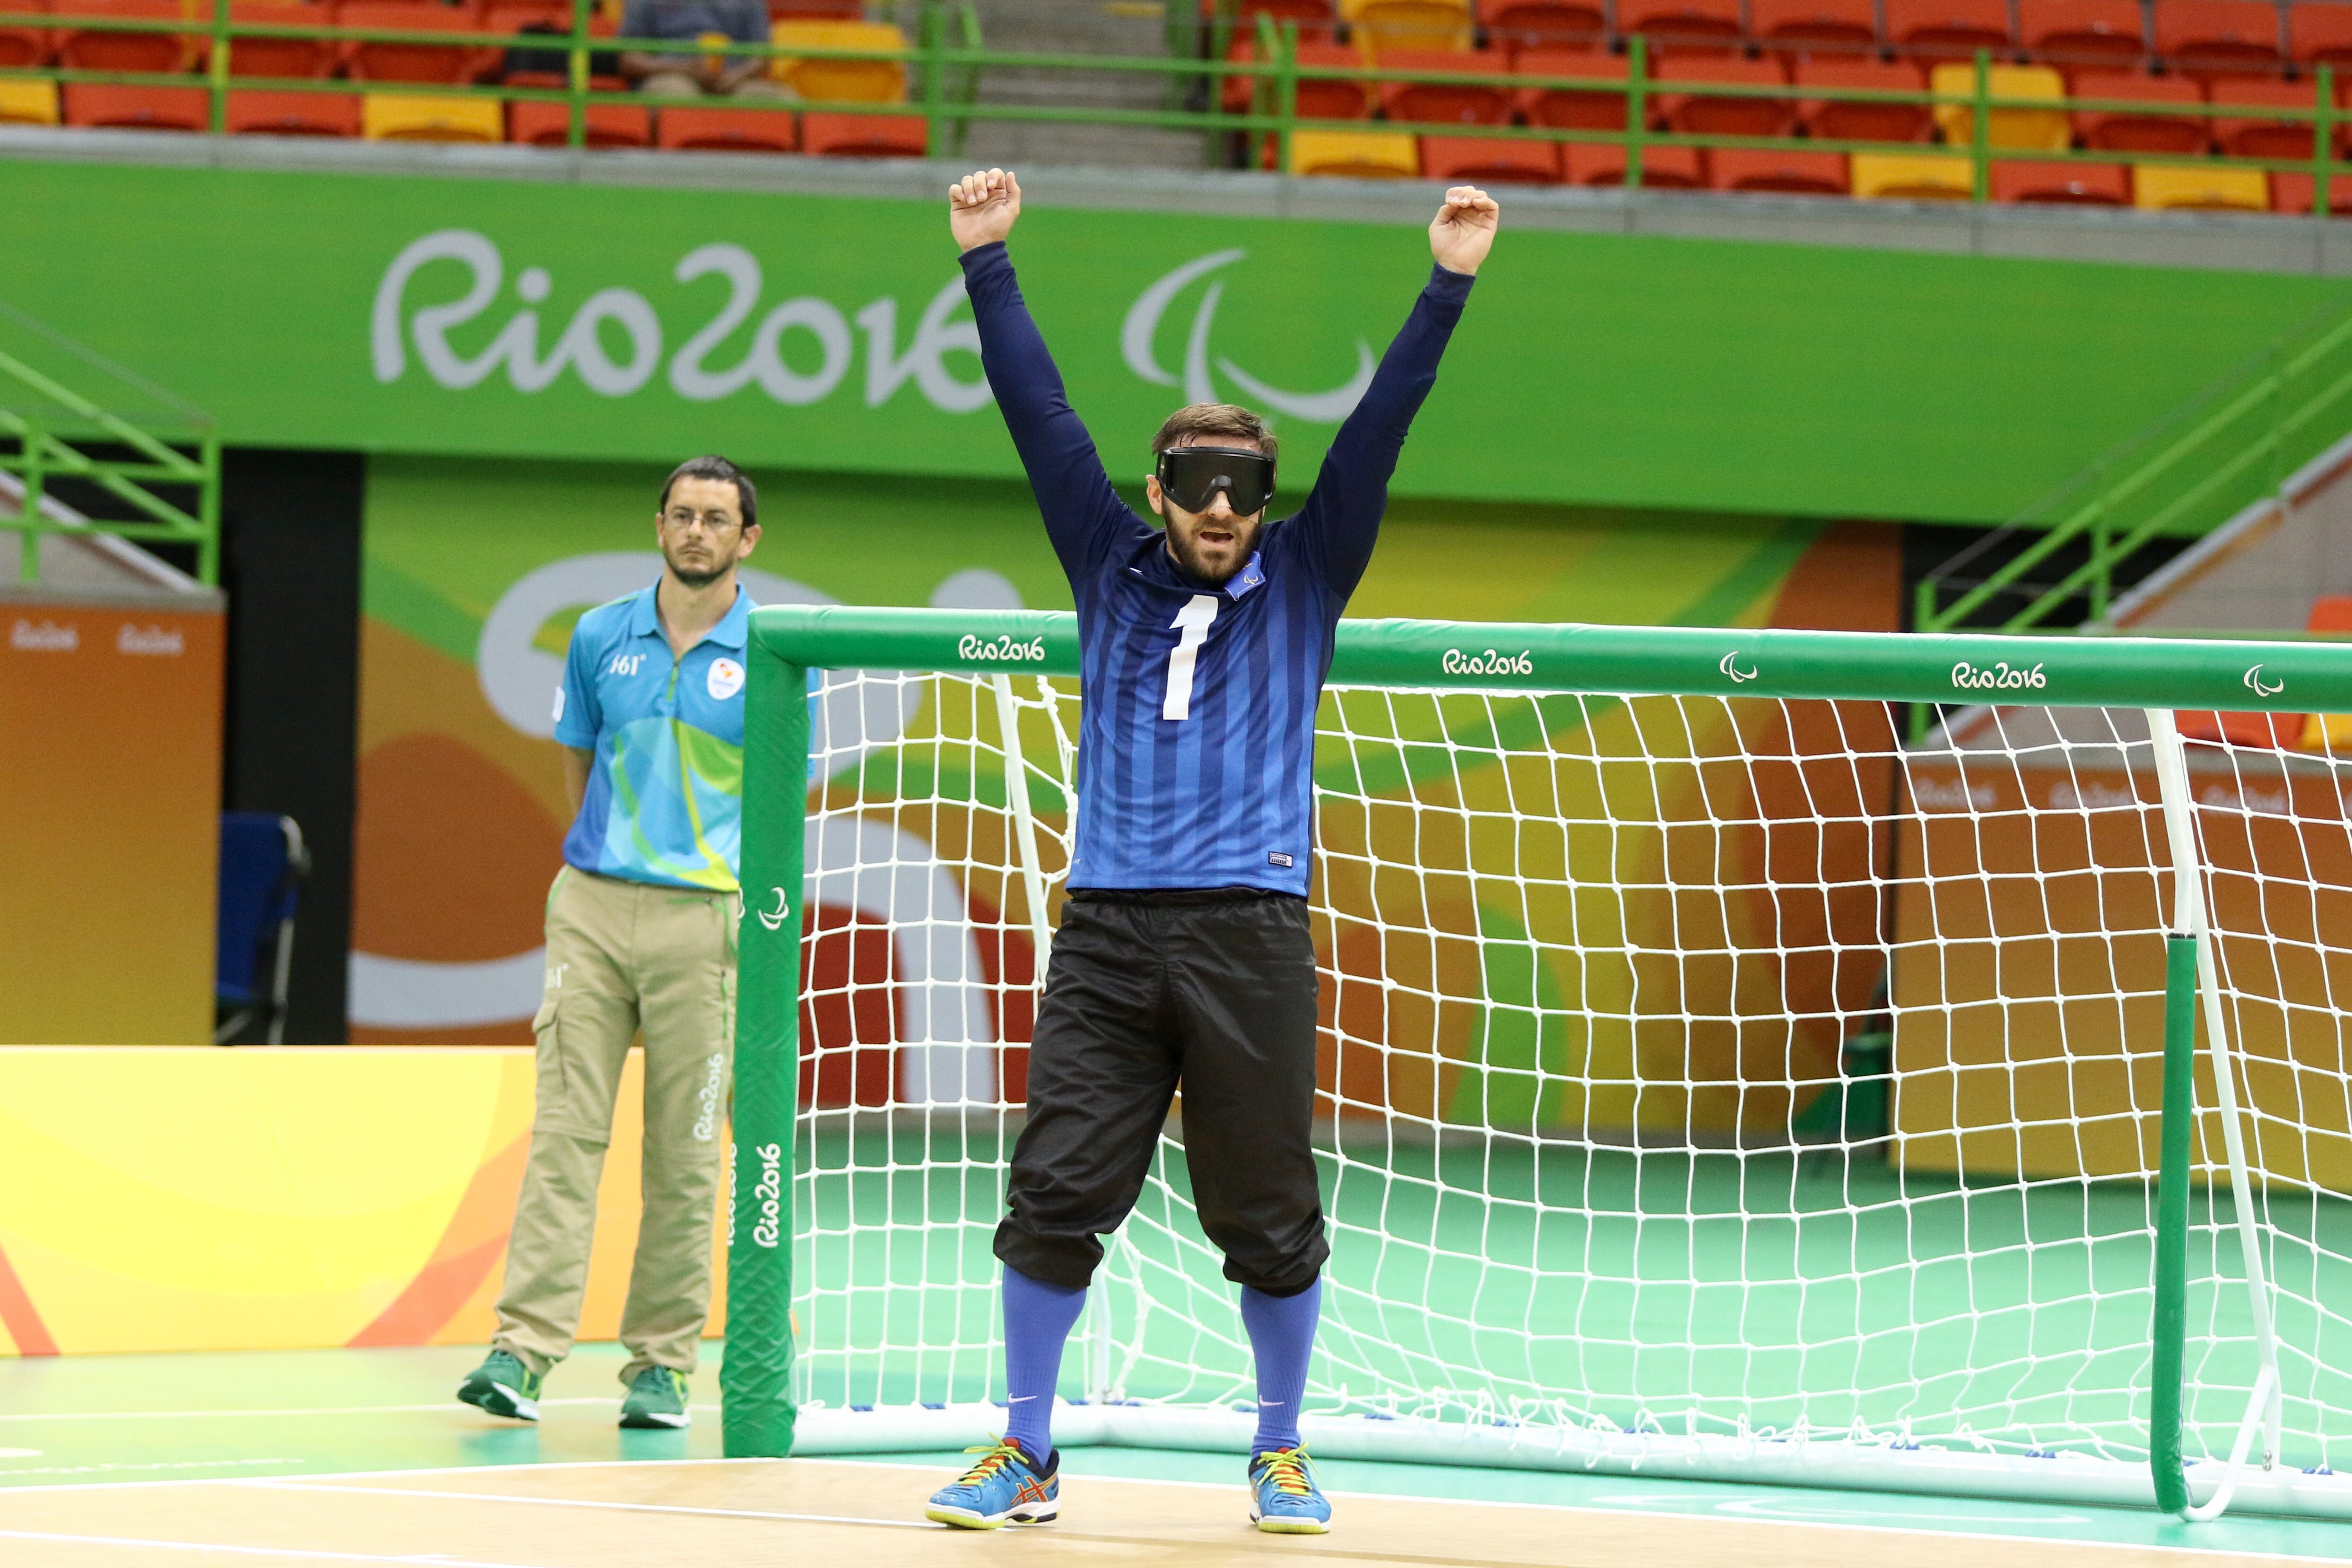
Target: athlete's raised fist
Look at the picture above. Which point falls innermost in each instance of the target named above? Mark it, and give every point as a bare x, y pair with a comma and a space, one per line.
1462, 231
983, 207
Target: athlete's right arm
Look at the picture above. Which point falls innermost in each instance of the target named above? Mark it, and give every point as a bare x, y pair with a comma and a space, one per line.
1082, 514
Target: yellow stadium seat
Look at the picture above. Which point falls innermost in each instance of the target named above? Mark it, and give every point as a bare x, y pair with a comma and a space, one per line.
400, 116
1355, 154
2328, 732
2042, 128
859, 81
2200, 186
1912, 176
1381, 24
28, 103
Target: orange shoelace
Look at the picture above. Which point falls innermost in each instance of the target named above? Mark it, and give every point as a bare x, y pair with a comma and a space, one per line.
1286, 1468
999, 1456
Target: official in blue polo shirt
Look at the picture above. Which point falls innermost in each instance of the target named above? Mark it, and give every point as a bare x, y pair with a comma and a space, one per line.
640, 939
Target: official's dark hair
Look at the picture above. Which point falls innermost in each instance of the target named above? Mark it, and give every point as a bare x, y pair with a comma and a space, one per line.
1201, 423
714, 466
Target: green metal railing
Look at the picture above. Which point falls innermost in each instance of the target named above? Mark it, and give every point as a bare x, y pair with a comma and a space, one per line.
947, 61
2229, 447
146, 442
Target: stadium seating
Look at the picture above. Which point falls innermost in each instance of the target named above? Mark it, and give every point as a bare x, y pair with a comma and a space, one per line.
2072, 35
22, 47
2142, 129
1706, 114
1355, 154
136, 108
2036, 128
1315, 99
1489, 160
1572, 108
1941, 29
88, 49
1685, 27
2254, 137
1862, 121
399, 61
2200, 186
254, 112
1379, 24
1513, 25
281, 57
2063, 184
28, 103
2291, 195
2319, 33
864, 135
540, 123
1662, 168
1763, 171
688, 129
1444, 103
1315, 18
1911, 177
430, 117
1792, 28
836, 81
2207, 39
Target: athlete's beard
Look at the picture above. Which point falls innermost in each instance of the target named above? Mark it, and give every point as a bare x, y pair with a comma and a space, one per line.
1186, 550
696, 575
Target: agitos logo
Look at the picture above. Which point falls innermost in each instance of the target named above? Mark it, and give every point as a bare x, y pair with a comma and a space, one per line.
1142, 325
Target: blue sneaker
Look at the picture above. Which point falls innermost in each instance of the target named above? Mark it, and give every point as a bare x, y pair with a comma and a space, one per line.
1284, 1498
1007, 1487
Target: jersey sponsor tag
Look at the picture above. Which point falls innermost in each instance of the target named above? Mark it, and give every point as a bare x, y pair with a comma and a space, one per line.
726, 678
1276, 857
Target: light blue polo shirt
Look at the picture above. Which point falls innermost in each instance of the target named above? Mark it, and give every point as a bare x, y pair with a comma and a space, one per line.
665, 801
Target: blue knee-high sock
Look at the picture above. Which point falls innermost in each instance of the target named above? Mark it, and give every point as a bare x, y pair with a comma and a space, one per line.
1282, 1338
1037, 1322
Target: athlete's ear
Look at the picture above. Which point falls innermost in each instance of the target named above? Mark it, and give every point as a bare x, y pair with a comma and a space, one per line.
1151, 493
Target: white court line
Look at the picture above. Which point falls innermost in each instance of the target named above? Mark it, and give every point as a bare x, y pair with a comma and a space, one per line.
451, 1405
296, 1483
9, 1492
421, 1557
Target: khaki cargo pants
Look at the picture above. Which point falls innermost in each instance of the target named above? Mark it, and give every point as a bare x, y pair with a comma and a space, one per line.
624, 958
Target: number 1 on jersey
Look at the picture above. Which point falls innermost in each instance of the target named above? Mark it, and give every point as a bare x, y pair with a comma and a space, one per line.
1193, 620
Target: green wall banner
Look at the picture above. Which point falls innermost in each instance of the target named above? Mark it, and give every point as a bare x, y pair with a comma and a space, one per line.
487, 317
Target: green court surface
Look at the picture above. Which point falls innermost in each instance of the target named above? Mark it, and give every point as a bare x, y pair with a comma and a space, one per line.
109, 1421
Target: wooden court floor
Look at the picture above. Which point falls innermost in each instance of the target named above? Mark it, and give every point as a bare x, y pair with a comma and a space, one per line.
801, 1513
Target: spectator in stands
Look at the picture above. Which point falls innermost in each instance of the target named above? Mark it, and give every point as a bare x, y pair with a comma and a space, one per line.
640, 941
710, 72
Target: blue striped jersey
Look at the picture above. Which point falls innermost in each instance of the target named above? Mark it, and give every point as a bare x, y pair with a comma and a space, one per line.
1196, 742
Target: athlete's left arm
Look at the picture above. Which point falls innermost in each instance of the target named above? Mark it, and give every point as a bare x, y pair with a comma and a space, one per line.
1341, 519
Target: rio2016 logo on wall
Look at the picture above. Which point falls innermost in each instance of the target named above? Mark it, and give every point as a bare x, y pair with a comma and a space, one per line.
615, 343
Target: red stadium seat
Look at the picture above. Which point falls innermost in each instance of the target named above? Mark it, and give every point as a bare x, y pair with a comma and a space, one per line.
282, 57
1705, 114
2319, 33
1791, 28
2256, 729
1572, 108
2076, 34
251, 113
1514, 25
1836, 121
1947, 28
536, 122
1662, 168
1685, 27
2220, 37
1323, 99
405, 62
725, 130
864, 135
1764, 171
2254, 137
137, 107
2075, 184
1489, 160
22, 49
1442, 103
91, 50
2148, 129
2292, 193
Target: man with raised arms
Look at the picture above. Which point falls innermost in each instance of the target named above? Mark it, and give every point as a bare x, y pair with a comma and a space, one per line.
1183, 956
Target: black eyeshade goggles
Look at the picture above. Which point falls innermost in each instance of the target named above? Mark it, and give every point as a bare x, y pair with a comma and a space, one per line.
1191, 477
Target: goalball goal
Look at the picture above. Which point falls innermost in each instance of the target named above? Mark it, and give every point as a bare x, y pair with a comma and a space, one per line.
1713, 1083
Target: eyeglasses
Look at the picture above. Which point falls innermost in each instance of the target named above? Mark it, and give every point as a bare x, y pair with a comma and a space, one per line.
686, 517
1191, 477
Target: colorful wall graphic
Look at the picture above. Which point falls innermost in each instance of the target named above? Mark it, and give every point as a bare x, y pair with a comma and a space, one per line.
170, 1200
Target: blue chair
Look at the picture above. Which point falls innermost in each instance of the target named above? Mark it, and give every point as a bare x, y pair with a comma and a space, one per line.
263, 863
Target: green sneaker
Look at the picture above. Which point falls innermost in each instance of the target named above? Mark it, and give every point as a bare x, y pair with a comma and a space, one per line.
657, 1399
503, 1386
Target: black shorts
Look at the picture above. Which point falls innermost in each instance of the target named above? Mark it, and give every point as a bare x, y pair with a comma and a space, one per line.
1214, 990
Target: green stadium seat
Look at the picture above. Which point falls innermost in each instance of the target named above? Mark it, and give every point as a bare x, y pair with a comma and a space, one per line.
2062, 184
252, 112
2147, 129
1513, 25
864, 135
1835, 120
686, 129
96, 104
1686, 26
2207, 39
1447, 103
1705, 114
1830, 29
1769, 171
1489, 160
2077, 34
